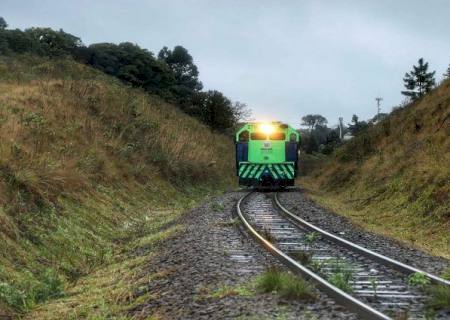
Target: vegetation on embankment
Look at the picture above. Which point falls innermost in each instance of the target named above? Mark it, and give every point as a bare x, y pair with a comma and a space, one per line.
171, 74
88, 168
394, 178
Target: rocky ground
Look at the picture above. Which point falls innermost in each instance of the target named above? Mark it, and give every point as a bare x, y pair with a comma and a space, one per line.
297, 202
208, 271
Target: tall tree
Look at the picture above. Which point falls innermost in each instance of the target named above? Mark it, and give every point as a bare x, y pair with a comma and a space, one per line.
419, 81
447, 73
186, 72
3, 24
313, 120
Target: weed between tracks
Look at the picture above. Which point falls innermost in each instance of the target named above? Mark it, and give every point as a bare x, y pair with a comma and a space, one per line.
230, 223
302, 256
266, 234
418, 279
341, 274
217, 207
286, 284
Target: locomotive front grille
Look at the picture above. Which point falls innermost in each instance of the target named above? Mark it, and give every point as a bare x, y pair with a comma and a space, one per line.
277, 171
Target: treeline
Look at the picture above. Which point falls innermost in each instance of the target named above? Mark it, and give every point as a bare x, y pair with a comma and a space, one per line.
171, 74
320, 138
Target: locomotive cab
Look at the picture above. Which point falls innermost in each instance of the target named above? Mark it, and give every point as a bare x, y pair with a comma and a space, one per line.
267, 154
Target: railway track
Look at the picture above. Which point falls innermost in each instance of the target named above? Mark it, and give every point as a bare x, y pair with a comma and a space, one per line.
376, 287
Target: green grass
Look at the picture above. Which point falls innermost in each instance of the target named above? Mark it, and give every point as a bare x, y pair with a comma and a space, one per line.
341, 274
440, 297
446, 273
286, 285
418, 279
217, 207
230, 223
227, 290
109, 291
311, 237
393, 179
92, 172
341, 281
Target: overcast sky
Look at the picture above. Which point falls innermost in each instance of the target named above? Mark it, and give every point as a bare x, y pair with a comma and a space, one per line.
284, 59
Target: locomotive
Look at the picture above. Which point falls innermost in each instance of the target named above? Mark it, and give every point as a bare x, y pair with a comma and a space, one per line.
267, 154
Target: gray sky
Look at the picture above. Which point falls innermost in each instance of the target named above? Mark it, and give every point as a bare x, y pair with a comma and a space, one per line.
283, 58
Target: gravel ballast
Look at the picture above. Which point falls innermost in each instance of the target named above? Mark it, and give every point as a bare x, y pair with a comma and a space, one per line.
201, 273
296, 201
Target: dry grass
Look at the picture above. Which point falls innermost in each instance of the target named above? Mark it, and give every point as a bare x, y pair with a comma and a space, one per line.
396, 179
85, 163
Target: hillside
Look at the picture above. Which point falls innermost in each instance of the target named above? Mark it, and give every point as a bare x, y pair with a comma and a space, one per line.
395, 179
89, 168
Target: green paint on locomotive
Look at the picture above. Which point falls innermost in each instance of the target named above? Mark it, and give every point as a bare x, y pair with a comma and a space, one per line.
261, 151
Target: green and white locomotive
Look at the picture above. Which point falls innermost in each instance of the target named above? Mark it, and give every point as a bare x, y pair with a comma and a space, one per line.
267, 154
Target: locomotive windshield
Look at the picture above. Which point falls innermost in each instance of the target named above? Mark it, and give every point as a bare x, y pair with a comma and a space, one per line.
258, 136
277, 136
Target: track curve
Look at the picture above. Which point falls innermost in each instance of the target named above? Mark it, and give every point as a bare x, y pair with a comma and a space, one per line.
261, 214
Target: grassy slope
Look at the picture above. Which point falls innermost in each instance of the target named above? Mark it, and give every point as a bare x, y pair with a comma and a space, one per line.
396, 179
89, 169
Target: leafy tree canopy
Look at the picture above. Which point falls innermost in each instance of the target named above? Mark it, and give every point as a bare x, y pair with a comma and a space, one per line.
313, 120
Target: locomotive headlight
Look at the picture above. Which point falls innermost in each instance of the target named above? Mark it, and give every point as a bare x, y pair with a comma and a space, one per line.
267, 128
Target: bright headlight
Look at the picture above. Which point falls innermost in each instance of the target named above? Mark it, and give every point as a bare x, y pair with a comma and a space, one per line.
267, 128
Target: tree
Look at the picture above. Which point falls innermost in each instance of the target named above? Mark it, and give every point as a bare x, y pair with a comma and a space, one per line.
419, 81
3, 24
49, 42
447, 73
241, 112
216, 110
3, 39
357, 126
332, 142
185, 71
313, 120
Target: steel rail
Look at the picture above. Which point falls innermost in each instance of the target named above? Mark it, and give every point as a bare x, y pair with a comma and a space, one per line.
404, 268
352, 304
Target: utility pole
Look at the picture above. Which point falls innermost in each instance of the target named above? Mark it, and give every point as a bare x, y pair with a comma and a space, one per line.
341, 127
379, 99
